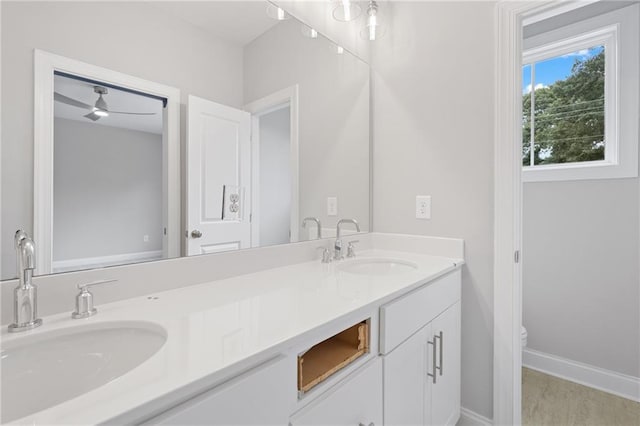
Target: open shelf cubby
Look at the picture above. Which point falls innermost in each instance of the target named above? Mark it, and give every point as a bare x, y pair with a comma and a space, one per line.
331, 355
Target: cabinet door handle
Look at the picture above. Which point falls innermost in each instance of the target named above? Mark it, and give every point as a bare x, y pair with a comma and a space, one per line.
441, 337
433, 360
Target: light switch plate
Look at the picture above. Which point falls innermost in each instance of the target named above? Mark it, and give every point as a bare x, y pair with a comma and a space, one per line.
423, 206
332, 206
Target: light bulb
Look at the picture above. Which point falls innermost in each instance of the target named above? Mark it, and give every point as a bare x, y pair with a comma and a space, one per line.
277, 13
373, 30
346, 7
101, 113
308, 32
339, 50
373, 24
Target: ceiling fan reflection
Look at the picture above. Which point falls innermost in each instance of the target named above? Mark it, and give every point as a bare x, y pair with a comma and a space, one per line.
99, 109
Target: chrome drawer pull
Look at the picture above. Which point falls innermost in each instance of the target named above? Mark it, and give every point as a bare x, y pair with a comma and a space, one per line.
441, 337
433, 360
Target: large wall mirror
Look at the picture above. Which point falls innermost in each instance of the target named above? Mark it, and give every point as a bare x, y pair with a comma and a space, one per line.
139, 131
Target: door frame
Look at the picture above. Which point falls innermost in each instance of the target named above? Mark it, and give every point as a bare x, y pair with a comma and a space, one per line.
507, 288
258, 108
45, 64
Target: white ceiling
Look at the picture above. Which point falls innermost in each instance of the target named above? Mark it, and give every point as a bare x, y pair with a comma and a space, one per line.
117, 100
238, 22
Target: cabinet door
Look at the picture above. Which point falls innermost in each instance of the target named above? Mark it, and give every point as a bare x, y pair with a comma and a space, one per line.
258, 397
445, 392
357, 400
406, 392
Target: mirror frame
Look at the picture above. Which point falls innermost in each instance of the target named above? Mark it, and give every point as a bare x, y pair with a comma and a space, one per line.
45, 64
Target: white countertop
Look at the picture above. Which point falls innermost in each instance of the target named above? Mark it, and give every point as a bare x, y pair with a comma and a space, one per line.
213, 326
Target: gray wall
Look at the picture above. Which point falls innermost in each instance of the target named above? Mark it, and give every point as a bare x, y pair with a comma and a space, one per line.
129, 37
107, 190
433, 103
275, 177
581, 298
585, 12
334, 117
581, 291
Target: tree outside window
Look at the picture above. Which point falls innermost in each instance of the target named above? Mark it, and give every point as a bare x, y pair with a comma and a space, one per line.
566, 94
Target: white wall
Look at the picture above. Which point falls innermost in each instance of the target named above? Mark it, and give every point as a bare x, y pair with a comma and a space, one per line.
107, 190
133, 38
334, 116
433, 121
275, 177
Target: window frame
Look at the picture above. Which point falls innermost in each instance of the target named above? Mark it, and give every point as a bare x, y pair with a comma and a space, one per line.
615, 32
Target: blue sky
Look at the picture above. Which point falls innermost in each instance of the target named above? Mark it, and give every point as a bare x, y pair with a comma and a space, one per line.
554, 69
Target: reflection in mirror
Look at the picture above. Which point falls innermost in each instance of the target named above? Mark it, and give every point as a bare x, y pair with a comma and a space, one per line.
195, 128
107, 176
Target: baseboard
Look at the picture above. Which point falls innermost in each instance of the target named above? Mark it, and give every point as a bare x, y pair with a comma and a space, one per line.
102, 261
584, 374
471, 418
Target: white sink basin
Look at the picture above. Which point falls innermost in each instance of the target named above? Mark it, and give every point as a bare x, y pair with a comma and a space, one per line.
377, 266
46, 369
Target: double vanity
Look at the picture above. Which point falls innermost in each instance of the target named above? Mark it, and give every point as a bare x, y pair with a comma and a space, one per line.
178, 200
373, 339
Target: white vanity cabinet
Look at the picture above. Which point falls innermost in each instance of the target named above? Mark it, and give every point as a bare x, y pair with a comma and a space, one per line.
414, 379
257, 397
445, 389
406, 387
355, 400
421, 377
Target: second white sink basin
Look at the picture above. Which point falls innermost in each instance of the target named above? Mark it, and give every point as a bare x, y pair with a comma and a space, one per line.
377, 266
46, 369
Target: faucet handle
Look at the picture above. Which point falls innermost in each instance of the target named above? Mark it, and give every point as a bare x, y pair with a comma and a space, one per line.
85, 286
326, 254
351, 252
84, 300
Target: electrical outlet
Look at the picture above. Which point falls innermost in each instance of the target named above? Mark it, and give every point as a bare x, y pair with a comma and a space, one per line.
145, 238
332, 206
423, 207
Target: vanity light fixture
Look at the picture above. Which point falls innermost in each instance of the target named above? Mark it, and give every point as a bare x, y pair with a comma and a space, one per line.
277, 13
346, 10
308, 31
373, 30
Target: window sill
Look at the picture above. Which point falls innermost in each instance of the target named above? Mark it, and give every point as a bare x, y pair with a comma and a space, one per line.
579, 171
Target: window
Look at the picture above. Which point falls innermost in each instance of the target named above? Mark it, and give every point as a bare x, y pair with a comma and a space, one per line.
563, 108
574, 82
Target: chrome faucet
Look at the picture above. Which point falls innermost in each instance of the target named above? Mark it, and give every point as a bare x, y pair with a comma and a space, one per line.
317, 221
84, 300
337, 254
25, 295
